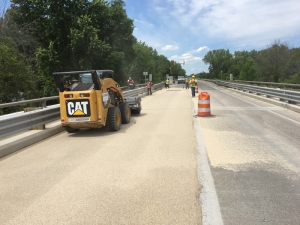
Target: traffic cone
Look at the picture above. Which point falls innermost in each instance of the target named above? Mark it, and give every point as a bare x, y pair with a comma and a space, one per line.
204, 104
196, 88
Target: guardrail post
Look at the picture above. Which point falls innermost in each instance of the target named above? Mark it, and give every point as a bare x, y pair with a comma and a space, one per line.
40, 127
44, 104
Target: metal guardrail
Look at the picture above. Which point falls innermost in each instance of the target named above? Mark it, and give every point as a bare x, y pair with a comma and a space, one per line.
292, 97
17, 122
269, 84
42, 101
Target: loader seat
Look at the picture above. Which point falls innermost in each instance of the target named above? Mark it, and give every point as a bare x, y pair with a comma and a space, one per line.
106, 74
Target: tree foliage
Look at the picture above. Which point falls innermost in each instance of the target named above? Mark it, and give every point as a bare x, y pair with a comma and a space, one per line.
16, 76
146, 59
277, 63
79, 35
219, 62
44, 36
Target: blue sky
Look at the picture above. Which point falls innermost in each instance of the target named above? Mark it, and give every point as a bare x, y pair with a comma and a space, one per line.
188, 29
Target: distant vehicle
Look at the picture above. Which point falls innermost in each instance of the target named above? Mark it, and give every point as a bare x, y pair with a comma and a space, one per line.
181, 80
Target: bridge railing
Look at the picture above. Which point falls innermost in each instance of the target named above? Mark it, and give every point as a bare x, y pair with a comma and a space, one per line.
43, 101
20, 121
270, 84
290, 96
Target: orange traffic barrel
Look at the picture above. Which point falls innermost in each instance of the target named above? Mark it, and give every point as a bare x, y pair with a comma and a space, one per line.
196, 88
204, 104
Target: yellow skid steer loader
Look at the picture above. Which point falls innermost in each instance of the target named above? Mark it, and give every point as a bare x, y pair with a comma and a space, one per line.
92, 99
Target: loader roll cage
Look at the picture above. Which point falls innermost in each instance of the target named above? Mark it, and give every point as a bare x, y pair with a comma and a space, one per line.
60, 78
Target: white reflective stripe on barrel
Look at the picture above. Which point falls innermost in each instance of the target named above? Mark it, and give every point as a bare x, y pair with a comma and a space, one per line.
203, 101
203, 109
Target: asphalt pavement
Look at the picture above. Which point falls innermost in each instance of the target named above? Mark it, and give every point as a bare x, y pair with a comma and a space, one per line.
167, 166
254, 154
145, 173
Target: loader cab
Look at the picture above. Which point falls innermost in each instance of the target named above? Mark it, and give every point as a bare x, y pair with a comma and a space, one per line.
85, 78
102, 74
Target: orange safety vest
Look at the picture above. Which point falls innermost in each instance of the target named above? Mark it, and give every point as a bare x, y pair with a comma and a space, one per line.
130, 81
149, 84
192, 83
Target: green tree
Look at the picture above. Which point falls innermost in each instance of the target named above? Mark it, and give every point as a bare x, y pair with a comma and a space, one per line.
247, 71
16, 76
86, 48
50, 22
243, 65
82, 34
20, 35
162, 67
143, 62
114, 29
219, 62
148, 60
294, 79
293, 67
177, 70
203, 75
272, 64
26, 43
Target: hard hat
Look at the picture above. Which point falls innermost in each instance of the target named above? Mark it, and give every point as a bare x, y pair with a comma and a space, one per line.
193, 76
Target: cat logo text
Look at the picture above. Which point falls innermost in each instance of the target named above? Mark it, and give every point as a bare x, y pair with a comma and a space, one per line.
78, 108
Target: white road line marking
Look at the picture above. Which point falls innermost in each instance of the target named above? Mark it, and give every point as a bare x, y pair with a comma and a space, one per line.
211, 213
248, 108
277, 114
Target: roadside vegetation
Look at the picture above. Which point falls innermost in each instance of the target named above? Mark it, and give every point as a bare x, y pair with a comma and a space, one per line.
277, 63
41, 37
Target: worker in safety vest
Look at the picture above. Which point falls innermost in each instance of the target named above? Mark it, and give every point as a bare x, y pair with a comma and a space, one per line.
167, 83
130, 83
187, 83
193, 83
149, 85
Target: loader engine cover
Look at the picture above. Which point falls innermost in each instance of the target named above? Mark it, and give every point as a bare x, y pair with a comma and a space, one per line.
76, 108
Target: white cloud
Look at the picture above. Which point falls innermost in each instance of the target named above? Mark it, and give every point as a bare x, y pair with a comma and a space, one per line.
215, 24
241, 23
199, 50
203, 49
259, 22
170, 48
187, 57
143, 23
